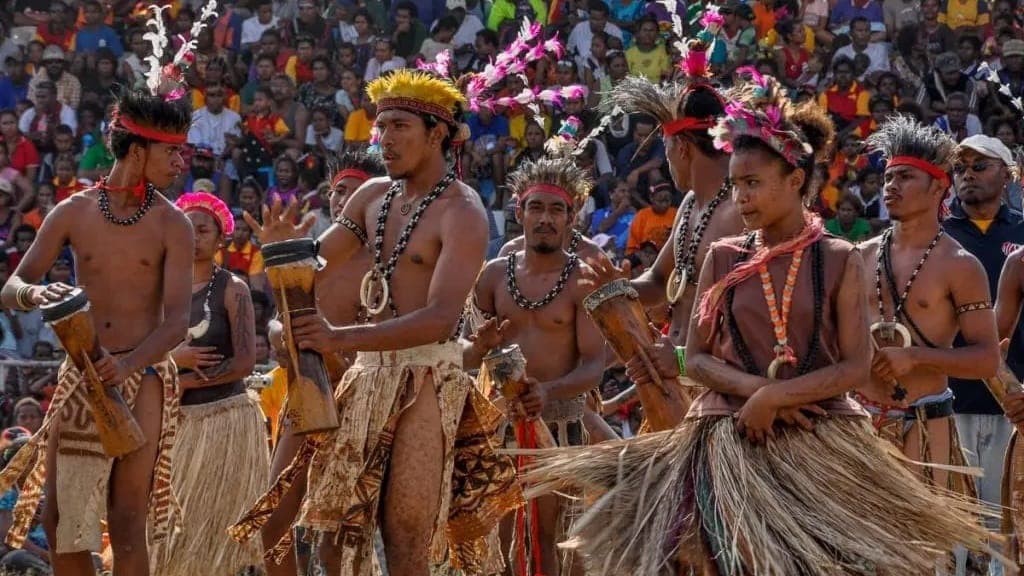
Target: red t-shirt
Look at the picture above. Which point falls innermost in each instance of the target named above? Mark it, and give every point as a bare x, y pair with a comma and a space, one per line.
23, 155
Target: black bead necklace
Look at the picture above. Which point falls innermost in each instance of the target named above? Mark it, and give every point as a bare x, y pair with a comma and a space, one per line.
527, 304
574, 241
687, 260
104, 202
885, 259
388, 270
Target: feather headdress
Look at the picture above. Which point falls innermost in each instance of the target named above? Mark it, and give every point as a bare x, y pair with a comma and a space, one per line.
168, 80
559, 176
417, 91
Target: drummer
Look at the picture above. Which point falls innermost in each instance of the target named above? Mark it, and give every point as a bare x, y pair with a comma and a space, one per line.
338, 300
132, 248
534, 298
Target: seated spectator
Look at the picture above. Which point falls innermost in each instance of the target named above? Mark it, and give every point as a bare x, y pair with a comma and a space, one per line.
792, 57
653, 224
958, 122
321, 137
849, 223
262, 20
286, 181
40, 122
250, 199
215, 74
68, 90
44, 201
300, 65
264, 67
739, 35
28, 414
215, 126
868, 189
465, 34
845, 100
881, 108
582, 33
860, 43
10, 218
845, 11
203, 166
615, 220
63, 145
409, 33
647, 57
263, 130
383, 55
440, 39
65, 180
646, 153
965, 16
95, 34
19, 160
946, 79
506, 13
23, 237
241, 256
1012, 73
899, 14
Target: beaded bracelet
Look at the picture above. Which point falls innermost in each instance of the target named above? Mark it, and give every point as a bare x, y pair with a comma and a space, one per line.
681, 359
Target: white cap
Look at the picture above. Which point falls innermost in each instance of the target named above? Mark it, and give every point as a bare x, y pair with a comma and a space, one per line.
389, 66
5, 186
602, 240
990, 147
453, 4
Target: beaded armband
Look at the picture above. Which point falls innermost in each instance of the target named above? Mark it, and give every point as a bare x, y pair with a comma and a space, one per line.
972, 306
353, 226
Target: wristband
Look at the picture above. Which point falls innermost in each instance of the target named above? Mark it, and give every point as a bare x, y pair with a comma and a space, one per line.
681, 359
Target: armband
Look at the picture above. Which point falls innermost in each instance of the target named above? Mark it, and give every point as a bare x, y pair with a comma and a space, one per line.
353, 226
972, 306
681, 359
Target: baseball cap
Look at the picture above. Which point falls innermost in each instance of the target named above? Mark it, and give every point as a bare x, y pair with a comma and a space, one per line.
990, 147
1013, 48
204, 185
947, 62
390, 66
53, 52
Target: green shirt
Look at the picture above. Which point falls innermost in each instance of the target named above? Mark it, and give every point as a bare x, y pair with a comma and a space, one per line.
95, 157
860, 231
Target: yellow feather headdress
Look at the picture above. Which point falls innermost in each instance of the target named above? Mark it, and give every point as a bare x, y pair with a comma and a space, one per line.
416, 91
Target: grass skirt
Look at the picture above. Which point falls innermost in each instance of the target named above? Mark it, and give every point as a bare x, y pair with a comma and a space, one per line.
828, 502
222, 467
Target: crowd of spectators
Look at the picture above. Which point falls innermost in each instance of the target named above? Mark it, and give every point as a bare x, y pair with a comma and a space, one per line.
277, 92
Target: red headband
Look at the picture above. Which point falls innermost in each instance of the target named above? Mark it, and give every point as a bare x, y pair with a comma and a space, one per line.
680, 124
548, 189
149, 133
927, 167
349, 173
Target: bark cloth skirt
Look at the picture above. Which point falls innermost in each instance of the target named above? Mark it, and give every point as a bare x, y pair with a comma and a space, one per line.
837, 500
83, 469
347, 466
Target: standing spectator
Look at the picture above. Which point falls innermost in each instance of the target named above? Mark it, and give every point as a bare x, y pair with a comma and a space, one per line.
937, 35
321, 91
615, 220
989, 230
653, 224
582, 34
876, 52
95, 34
647, 57
69, 89
958, 122
254, 27
384, 54
39, 122
214, 125
20, 153
965, 16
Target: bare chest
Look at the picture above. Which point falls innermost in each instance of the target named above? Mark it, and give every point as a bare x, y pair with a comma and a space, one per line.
410, 238
913, 293
128, 254
518, 303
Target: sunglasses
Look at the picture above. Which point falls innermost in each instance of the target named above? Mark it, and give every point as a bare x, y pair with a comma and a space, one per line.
976, 167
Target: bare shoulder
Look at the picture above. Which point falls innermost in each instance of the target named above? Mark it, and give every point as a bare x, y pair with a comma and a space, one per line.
493, 271
170, 217
959, 261
512, 245
581, 282
1015, 261
463, 211
833, 247
871, 246
237, 287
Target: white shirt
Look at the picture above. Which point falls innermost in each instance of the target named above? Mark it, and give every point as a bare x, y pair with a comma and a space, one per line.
332, 141
252, 29
67, 117
581, 37
877, 53
209, 128
373, 67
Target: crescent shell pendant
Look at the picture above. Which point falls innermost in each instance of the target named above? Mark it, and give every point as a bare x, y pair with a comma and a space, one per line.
675, 285
367, 289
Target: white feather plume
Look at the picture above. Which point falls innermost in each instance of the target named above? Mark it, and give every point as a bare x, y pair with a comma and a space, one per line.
158, 39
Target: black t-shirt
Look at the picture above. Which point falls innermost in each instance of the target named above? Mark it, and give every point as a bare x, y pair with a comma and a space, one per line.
1005, 235
36, 5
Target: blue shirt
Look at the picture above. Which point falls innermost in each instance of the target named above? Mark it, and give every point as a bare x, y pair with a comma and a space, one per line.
620, 230
11, 93
498, 127
1004, 235
36, 535
844, 11
87, 40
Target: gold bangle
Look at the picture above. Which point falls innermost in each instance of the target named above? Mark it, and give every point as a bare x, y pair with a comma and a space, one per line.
21, 297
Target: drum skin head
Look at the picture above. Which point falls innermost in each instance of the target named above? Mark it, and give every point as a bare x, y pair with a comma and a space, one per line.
73, 301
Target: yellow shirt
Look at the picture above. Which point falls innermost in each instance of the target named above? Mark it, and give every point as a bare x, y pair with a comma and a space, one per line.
652, 65
960, 13
982, 225
357, 127
517, 128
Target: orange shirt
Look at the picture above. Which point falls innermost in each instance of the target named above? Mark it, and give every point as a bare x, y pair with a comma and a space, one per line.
258, 126
231, 99
247, 261
648, 226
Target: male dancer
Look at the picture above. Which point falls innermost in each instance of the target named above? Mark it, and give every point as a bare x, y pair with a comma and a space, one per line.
337, 292
990, 230
924, 289
537, 294
413, 423
133, 250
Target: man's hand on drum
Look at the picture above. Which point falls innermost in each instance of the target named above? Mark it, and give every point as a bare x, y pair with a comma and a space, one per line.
279, 222
55, 292
111, 371
663, 358
1013, 404
489, 335
534, 398
601, 272
312, 332
890, 364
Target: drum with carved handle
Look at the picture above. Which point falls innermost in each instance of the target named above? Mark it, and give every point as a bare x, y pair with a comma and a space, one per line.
116, 426
507, 368
291, 267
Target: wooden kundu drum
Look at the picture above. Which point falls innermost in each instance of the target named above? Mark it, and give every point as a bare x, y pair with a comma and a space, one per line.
1001, 385
291, 267
616, 309
507, 368
119, 433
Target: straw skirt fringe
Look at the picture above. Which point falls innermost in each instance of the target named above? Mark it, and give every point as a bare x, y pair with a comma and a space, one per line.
222, 466
834, 501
